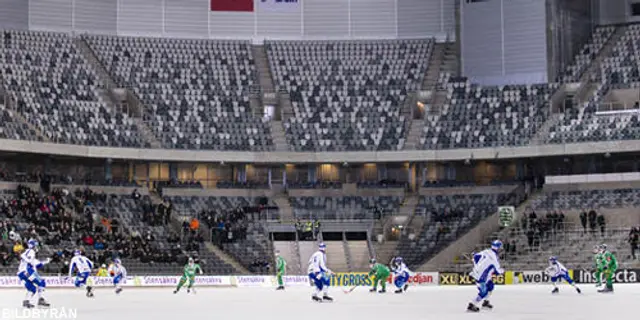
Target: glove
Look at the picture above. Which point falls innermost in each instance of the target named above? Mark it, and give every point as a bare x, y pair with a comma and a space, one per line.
319, 275
201, 272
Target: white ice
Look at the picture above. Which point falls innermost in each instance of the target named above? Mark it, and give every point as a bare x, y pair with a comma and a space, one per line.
526, 302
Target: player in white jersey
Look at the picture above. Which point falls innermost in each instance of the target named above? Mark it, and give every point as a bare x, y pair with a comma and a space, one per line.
401, 275
319, 274
82, 265
119, 274
485, 264
28, 273
557, 272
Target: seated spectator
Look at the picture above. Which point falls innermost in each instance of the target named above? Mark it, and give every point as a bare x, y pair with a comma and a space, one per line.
18, 248
194, 225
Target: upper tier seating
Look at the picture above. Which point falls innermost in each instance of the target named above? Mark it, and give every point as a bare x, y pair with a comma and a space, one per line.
477, 117
57, 90
617, 71
348, 95
347, 207
589, 52
194, 91
587, 199
10, 128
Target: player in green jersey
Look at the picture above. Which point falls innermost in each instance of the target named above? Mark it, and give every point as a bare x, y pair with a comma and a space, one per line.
609, 267
190, 270
281, 266
597, 264
380, 273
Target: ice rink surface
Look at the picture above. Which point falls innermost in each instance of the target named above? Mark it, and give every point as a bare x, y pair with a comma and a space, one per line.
510, 302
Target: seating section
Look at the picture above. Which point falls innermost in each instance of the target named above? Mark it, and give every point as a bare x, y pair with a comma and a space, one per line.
144, 248
194, 91
193, 206
344, 208
446, 218
589, 52
587, 199
572, 245
57, 91
617, 71
476, 116
348, 95
252, 249
236, 221
10, 128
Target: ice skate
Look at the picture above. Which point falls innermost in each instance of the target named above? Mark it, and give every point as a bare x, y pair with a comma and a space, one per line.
316, 298
43, 303
472, 308
487, 305
27, 304
606, 290
399, 291
280, 288
406, 286
578, 290
327, 298
118, 290
176, 291
555, 290
89, 292
373, 290
382, 291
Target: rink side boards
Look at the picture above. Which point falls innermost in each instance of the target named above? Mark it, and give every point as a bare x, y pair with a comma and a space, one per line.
340, 279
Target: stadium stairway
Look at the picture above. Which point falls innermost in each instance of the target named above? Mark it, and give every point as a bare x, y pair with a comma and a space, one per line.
262, 65
278, 135
413, 138
286, 212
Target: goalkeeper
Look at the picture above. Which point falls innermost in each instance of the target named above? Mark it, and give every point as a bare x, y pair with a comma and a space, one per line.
608, 267
189, 274
281, 266
380, 273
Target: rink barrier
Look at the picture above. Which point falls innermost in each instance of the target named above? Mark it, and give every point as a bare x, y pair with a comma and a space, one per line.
534, 277
350, 279
620, 276
164, 281
465, 279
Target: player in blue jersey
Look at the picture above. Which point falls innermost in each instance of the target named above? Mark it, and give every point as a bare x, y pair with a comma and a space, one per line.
485, 264
558, 272
319, 274
119, 274
401, 275
28, 273
82, 265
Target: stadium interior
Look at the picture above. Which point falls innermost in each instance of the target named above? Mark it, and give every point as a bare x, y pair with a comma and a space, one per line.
159, 146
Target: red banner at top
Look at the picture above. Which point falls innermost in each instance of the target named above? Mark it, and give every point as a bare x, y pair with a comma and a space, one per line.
232, 5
